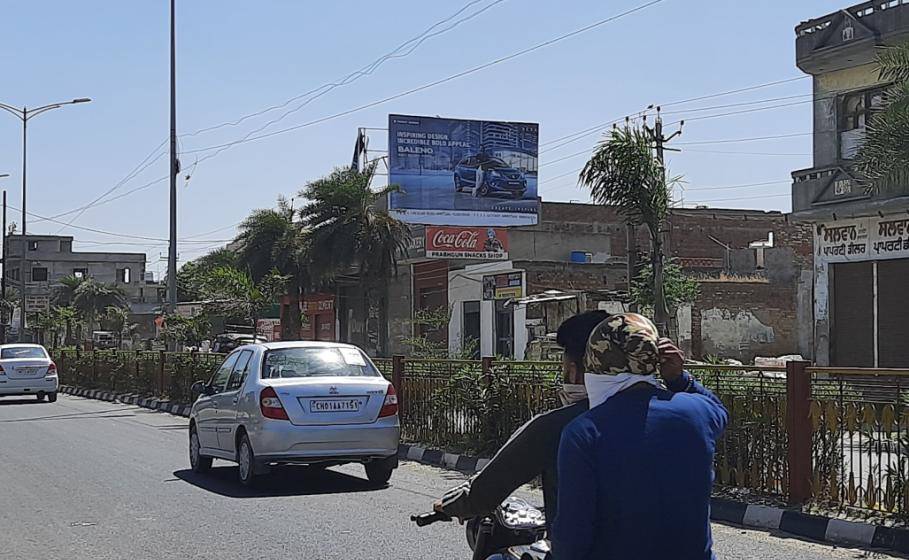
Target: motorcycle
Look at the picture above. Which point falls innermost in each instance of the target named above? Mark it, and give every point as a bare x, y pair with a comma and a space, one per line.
514, 531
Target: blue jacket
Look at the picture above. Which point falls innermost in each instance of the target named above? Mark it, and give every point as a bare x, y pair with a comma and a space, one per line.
635, 475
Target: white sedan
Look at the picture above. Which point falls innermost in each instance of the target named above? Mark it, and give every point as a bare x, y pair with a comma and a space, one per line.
316, 403
27, 369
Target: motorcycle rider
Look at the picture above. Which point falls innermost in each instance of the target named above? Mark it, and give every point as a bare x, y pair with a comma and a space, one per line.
532, 450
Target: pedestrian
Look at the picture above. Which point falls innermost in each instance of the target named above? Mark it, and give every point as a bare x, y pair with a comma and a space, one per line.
636, 470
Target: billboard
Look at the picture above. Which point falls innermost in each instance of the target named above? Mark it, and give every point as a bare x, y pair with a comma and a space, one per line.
507, 285
489, 244
463, 172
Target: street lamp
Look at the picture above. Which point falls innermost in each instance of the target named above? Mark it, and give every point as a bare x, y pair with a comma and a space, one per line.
24, 114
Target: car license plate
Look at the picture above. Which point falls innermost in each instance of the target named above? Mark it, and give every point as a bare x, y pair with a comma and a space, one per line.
30, 370
336, 405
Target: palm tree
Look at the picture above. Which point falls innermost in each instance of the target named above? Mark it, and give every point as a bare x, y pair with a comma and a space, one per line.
117, 319
69, 317
66, 290
91, 298
884, 158
625, 173
347, 228
271, 240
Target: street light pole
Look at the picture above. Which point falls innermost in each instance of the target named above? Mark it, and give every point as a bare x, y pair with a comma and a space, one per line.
24, 114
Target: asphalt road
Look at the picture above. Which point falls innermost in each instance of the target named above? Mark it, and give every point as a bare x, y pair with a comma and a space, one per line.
83, 479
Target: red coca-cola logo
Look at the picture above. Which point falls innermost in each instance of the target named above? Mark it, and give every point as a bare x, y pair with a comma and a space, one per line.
463, 240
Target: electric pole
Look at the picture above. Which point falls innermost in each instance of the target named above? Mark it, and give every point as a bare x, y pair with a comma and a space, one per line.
660, 312
3, 277
174, 170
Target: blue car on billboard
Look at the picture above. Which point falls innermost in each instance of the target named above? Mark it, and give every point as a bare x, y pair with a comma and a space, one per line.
499, 178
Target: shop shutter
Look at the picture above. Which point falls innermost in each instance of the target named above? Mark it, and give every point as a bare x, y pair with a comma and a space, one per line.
893, 313
852, 315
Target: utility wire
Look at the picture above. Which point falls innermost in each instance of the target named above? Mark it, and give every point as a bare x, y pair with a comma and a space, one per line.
436, 82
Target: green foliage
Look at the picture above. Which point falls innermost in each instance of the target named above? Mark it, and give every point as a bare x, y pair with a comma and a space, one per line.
624, 173
884, 157
65, 291
190, 275
678, 288
186, 330
91, 298
428, 321
232, 292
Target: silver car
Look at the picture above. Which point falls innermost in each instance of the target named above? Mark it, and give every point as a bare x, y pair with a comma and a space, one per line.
316, 403
27, 369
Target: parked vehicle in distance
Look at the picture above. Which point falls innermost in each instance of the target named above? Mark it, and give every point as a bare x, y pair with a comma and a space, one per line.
499, 178
27, 369
103, 339
228, 342
314, 403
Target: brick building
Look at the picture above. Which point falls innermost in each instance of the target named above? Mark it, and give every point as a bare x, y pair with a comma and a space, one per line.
754, 268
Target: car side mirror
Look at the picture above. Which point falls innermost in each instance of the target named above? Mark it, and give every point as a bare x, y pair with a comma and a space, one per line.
201, 388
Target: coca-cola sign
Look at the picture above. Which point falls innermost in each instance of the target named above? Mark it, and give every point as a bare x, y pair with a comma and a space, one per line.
467, 243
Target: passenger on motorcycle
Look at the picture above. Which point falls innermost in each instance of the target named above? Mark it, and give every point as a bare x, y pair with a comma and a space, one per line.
532, 449
636, 470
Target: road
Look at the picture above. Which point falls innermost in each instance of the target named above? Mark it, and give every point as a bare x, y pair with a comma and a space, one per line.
85, 479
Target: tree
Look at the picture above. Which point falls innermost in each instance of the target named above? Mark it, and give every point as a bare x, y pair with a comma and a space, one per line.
271, 240
92, 298
624, 173
678, 288
116, 319
190, 275
884, 157
47, 327
186, 330
65, 292
69, 317
347, 229
233, 292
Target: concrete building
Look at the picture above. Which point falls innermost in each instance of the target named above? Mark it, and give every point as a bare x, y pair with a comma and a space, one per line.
861, 258
754, 269
51, 257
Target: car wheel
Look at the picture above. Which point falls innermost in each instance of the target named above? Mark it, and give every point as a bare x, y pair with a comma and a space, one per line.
52, 397
457, 184
484, 189
246, 460
197, 461
40, 397
379, 472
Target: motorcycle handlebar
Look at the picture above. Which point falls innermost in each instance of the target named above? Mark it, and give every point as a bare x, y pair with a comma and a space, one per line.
425, 519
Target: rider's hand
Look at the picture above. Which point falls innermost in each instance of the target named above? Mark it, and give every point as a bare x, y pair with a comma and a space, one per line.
671, 360
437, 506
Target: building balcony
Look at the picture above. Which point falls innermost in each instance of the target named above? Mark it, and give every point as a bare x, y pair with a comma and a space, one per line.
846, 38
820, 193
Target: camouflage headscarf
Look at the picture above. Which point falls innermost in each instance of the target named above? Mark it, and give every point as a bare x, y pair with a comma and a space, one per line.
623, 343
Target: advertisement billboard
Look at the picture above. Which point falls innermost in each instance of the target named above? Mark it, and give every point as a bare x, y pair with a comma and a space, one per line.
507, 285
463, 172
489, 244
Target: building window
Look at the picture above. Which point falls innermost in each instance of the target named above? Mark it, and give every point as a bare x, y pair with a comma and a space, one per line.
470, 328
123, 275
80, 273
32, 245
66, 246
39, 274
857, 108
13, 274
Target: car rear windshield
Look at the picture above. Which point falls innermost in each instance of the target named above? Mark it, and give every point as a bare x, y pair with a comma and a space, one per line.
314, 361
24, 352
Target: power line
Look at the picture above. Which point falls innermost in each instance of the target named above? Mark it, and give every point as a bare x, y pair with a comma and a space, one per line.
365, 70
738, 140
725, 152
745, 186
739, 198
436, 82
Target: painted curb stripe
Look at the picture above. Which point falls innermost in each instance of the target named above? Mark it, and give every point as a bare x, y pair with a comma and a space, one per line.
727, 510
839, 530
798, 523
466, 463
433, 457
415, 453
450, 460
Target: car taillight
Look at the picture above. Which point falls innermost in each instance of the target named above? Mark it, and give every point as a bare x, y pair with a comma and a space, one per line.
51, 370
271, 405
390, 406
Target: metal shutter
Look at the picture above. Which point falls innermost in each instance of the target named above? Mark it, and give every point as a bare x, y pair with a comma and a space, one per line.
893, 313
852, 315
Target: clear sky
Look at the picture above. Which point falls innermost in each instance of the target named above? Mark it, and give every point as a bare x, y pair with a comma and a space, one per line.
235, 58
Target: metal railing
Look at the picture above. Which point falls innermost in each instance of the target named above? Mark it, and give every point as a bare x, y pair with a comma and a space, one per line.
838, 437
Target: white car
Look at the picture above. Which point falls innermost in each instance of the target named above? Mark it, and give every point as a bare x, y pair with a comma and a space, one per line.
27, 369
316, 403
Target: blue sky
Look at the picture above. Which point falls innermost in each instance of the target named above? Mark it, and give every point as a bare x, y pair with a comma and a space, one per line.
235, 58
